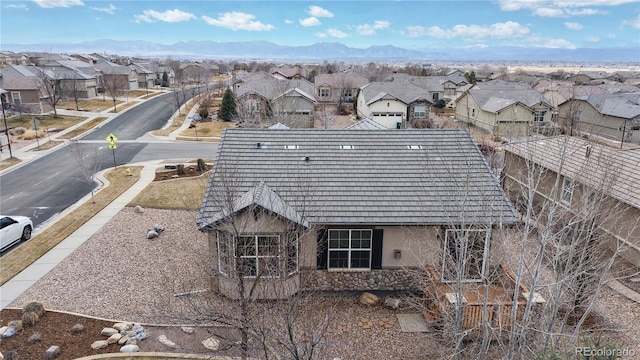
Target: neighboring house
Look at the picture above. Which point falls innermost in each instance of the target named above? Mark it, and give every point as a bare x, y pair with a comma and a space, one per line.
393, 104
288, 72
193, 73
146, 77
114, 74
503, 112
75, 78
22, 90
338, 88
589, 78
612, 116
89, 59
581, 176
349, 210
244, 78
273, 100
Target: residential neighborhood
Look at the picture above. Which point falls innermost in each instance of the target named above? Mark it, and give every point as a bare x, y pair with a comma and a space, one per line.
458, 210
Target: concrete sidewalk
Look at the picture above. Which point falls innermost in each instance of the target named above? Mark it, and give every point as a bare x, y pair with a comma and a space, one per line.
21, 282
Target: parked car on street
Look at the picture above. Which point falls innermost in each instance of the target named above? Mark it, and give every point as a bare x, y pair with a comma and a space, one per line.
14, 229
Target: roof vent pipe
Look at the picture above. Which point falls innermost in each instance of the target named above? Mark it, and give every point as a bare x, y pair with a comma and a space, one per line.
588, 151
258, 146
307, 160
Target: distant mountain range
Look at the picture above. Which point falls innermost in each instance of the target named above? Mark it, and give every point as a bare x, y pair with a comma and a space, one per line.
329, 51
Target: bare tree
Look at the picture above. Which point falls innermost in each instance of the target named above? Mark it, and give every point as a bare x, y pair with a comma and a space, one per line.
86, 157
71, 89
50, 91
115, 86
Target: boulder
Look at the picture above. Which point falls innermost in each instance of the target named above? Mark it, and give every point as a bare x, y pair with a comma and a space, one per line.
166, 342
114, 338
139, 209
188, 329
52, 352
392, 303
141, 336
9, 332
368, 299
132, 341
211, 343
108, 331
77, 328
157, 228
122, 326
2, 330
100, 344
137, 328
16, 324
129, 333
123, 340
152, 234
130, 348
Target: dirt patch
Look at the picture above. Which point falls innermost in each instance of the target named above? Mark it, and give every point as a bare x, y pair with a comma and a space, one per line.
174, 172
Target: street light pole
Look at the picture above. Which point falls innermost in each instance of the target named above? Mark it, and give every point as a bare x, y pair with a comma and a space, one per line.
6, 128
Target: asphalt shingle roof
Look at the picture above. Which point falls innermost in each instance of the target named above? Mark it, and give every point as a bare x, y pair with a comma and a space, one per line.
348, 176
405, 92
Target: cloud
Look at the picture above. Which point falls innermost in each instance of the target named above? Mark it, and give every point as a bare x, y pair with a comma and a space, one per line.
317, 11
287, 21
509, 29
310, 21
238, 21
560, 8
573, 25
634, 23
171, 16
17, 6
368, 29
108, 10
593, 39
58, 3
559, 44
333, 33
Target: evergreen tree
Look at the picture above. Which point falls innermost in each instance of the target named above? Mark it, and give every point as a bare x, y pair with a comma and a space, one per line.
228, 106
165, 79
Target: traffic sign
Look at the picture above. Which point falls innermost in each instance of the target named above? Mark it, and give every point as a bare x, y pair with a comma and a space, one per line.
111, 139
113, 146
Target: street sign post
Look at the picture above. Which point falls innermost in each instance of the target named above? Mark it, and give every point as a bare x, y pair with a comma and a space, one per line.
112, 139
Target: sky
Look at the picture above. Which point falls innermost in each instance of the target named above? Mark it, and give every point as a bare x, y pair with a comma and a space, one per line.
426, 24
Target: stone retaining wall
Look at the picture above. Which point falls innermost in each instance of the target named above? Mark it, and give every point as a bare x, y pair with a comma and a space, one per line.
386, 279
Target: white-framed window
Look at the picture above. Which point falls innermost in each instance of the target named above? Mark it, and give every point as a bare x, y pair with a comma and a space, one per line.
349, 249
251, 106
539, 116
347, 93
259, 255
325, 92
16, 97
465, 254
567, 190
419, 111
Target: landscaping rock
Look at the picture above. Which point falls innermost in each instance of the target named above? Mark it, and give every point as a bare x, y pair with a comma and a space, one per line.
368, 299
122, 326
35, 337
114, 338
166, 342
16, 324
152, 234
108, 331
157, 228
392, 303
52, 352
9, 332
137, 328
132, 341
139, 209
188, 329
142, 336
100, 344
129, 333
130, 348
11, 355
123, 340
2, 330
211, 343
77, 328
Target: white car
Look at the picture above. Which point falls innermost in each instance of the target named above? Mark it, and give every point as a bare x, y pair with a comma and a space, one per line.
14, 229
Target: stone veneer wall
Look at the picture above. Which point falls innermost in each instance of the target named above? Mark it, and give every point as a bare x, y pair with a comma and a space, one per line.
386, 279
